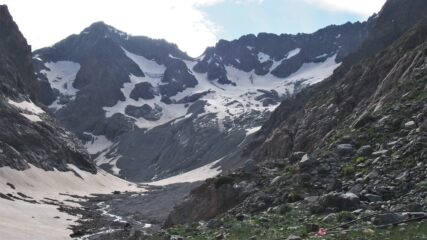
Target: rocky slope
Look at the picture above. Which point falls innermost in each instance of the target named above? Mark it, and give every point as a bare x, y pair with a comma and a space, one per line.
150, 111
28, 135
351, 147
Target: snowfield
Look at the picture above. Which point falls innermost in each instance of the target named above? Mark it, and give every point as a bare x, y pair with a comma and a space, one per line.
198, 174
24, 220
226, 101
61, 76
243, 95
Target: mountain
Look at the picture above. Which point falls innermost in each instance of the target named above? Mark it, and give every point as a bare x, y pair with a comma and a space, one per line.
146, 110
44, 170
352, 147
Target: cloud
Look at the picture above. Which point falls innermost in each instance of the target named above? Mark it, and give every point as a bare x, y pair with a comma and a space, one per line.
248, 1
45, 22
184, 22
361, 7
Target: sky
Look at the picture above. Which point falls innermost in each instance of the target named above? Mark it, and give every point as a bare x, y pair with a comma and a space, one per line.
192, 24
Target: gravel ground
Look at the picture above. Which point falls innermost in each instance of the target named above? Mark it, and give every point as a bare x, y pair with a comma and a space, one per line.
121, 215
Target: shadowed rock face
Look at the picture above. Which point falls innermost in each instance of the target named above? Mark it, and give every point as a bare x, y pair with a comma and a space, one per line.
206, 201
16, 66
29, 135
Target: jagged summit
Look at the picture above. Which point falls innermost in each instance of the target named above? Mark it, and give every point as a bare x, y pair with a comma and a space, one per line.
101, 29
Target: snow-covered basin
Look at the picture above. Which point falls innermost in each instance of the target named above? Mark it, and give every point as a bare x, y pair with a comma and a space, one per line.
199, 174
23, 220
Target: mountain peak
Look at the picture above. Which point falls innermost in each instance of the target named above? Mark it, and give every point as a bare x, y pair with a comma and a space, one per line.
101, 28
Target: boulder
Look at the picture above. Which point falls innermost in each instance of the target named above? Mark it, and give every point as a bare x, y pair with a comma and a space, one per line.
338, 202
345, 149
380, 153
293, 237
387, 218
276, 180
371, 175
410, 125
372, 197
364, 150
296, 156
176, 237
307, 162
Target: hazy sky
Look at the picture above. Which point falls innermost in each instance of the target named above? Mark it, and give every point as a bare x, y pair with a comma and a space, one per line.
192, 24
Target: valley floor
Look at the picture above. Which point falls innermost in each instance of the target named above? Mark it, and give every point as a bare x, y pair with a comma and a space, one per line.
122, 214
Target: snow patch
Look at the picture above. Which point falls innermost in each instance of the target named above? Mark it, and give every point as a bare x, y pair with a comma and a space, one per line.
110, 160
38, 183
322, 56
31, 117
61, 76
252, 130
262, 57
154, 73
26, 106
30, 110
312, 73
97, 144
199, 174
23, 220
146, 65
293, 53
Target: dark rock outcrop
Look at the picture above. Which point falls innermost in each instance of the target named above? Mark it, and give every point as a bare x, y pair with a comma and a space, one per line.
143, 90
145, 111
222, 193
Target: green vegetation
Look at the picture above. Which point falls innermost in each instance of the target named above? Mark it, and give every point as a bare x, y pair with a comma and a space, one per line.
290, 169
296, 221
349, 170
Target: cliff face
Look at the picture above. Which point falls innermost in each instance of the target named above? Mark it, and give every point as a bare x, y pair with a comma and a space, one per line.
15, 61
28, 134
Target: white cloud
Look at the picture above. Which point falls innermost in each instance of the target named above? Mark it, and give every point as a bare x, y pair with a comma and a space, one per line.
45, 22
362, 7
248, 1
